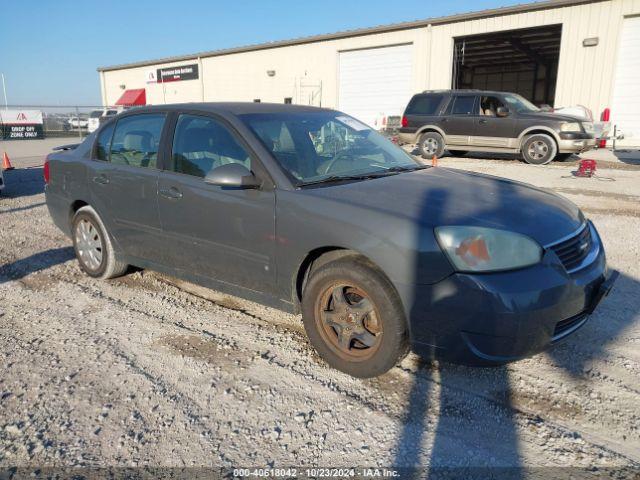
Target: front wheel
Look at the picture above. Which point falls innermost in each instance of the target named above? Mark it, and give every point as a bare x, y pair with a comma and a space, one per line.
539, 149
354, 318
93, 246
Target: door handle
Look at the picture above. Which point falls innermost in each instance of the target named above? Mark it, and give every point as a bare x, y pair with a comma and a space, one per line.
482, 121
101, 179
172, 192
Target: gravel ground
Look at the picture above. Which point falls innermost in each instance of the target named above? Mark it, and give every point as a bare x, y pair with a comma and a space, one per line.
149, 371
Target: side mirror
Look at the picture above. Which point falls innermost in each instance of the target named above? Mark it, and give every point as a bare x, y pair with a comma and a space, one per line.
502, 112
232, 175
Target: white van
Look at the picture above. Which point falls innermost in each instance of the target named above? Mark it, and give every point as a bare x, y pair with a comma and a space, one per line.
94, 118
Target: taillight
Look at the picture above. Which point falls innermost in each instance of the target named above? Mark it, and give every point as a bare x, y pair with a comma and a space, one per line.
405, 122
45, 170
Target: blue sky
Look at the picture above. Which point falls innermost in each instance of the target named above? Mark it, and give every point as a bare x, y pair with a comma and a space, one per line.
51, 49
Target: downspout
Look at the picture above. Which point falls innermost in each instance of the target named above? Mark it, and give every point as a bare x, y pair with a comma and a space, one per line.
201, 74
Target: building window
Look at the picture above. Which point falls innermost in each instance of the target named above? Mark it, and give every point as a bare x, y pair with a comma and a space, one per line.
288, 100
256, 100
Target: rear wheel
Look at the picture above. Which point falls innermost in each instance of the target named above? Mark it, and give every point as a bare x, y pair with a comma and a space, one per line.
354, 318
93, 246
539, 149
431, 144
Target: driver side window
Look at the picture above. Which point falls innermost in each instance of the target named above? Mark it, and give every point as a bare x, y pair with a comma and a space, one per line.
201, 144
136, 140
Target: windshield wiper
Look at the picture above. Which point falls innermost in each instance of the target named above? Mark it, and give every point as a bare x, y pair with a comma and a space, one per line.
336, 178
364, 176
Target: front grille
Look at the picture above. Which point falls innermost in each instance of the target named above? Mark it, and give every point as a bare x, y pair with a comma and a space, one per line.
564, 326
573, 251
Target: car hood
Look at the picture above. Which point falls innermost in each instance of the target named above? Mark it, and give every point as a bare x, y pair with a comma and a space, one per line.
441, 196
551, 116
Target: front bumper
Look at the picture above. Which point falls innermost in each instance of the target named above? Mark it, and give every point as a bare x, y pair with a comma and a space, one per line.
496, 318
575, 142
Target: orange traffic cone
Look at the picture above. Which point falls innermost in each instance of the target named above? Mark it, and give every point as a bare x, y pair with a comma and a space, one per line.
6, 163
434, 161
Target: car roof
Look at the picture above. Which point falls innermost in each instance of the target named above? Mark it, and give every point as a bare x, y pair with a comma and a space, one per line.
234, 108
465, 90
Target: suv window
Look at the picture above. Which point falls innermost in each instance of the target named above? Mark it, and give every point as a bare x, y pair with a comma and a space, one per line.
424, 104
489, 105
201, 144
136, 140
104, 143
462, 105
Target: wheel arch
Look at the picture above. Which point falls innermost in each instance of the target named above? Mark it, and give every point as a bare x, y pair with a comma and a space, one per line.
75, 206
538, 129
317, 257
430, 128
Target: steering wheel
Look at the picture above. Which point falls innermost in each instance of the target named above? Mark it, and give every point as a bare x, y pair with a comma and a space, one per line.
340, 156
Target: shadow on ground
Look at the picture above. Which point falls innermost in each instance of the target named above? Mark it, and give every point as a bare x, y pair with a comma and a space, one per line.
23, 182
473, 422
35, 263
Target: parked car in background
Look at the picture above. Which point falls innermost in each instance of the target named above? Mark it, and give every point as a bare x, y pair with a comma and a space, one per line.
96, 117
488, 121
76, 122
309, 210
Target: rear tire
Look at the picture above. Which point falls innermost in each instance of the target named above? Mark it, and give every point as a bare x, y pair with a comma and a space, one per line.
539, 149
430, 144
354, 317
458, 153
93, 246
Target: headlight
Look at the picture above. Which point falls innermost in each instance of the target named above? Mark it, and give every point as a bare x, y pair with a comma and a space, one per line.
477, 249
570, 127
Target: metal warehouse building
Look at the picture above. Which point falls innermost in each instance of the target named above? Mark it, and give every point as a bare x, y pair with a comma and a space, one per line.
561, 53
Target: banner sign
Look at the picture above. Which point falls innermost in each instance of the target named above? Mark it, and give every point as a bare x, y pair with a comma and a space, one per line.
21, 124
176, 74
151, 76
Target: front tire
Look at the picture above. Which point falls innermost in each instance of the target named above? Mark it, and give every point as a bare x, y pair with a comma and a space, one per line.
539, 149
354, 317
93, 246
431, 144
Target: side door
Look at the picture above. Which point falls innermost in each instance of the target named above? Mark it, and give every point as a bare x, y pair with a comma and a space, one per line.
493, 130
124, 181
225, 234
459, 119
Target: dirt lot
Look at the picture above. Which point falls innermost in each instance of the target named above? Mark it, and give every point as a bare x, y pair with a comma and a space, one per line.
137, 371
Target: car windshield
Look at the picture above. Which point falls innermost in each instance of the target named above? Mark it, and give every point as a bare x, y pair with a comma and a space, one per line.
317, 147
520, 104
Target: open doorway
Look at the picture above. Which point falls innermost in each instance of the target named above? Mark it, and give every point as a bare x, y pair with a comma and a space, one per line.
523, 61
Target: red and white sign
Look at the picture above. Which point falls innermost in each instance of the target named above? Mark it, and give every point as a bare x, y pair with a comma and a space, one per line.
21, 117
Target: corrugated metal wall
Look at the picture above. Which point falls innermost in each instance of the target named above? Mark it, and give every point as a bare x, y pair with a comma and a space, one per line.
585, 74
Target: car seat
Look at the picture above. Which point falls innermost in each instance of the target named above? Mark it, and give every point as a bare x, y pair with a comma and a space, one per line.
137, 149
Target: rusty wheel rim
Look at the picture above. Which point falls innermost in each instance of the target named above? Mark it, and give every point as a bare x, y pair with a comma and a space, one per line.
349, 321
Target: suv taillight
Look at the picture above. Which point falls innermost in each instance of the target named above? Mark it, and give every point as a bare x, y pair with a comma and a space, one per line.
404, 122
45, 170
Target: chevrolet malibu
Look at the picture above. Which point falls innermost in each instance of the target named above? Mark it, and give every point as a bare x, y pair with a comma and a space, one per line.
310, 211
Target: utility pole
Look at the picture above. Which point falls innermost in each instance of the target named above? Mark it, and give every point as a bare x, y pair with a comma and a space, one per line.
4, 90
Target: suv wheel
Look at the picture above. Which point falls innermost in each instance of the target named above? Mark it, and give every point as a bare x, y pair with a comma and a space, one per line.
354, 318
93, 246
430, 144
539, 149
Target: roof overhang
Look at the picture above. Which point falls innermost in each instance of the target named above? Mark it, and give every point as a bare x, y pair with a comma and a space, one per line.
462, 17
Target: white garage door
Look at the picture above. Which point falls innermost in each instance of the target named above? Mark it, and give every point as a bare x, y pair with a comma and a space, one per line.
375, 82
625, 107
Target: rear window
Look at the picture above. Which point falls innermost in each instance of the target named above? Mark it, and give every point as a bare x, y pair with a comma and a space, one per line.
425, 105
